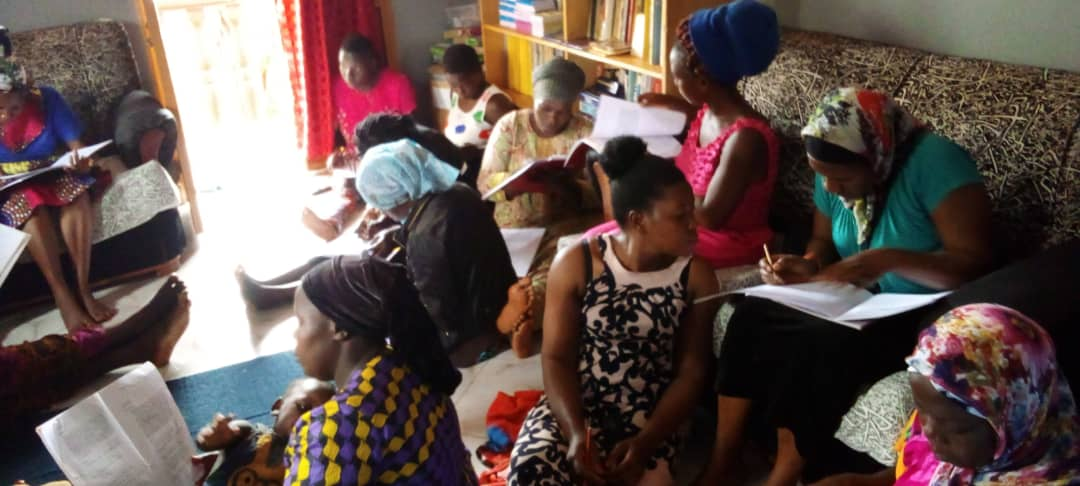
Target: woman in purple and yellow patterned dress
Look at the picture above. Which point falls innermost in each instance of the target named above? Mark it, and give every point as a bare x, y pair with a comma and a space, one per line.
36, 124
392, 421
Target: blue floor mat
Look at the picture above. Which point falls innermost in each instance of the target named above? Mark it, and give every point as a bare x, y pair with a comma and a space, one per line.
247, 390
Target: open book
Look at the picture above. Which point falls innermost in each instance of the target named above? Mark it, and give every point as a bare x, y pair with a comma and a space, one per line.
842, 303
12, 244
65, 161
130, 432
614, 117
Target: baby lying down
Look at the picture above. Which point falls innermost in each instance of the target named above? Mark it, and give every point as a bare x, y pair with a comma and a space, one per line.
254, 453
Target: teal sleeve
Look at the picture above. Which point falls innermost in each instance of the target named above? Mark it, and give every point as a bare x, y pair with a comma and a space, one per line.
941, 167
822, 199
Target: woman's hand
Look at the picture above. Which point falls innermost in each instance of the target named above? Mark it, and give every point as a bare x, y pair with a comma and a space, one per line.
787, 269
586, 463
80, 165
861, 269
626, 463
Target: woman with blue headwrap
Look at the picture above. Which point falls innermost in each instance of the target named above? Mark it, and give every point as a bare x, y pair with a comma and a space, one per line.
454, 252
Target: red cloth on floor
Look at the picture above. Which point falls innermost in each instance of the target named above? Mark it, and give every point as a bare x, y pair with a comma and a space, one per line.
504, 419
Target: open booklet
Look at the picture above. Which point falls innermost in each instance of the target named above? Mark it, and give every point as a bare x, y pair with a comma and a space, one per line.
614, 117
131, 432
12, 244
842, 303
65, 161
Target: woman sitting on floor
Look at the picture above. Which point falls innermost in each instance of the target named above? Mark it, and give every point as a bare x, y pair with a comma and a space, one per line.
570, 205
475, 104
35, 124
38, 374
899, 209
730, 155
993, 407
392, 422
626, 343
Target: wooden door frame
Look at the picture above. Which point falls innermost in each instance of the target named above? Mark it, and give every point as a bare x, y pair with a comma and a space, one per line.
161, 82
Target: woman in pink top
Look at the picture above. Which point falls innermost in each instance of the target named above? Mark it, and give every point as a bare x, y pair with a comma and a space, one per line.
730, 155
364, 88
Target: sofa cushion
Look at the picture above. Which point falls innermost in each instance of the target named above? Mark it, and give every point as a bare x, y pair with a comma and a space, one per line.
808, 65
1017, 122
90, 63
877, 418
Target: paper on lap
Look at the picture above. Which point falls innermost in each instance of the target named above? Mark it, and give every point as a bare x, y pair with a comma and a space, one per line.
63, 162
130, 432
842, 303
522, 243
12, 244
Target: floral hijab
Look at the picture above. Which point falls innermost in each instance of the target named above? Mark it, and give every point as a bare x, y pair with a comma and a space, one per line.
1001, 366
869, 124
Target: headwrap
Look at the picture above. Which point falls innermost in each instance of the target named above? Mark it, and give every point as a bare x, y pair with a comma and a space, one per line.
373, 298
869, 124
12, 74
558, 79
1001, 366
732, 41
398, 172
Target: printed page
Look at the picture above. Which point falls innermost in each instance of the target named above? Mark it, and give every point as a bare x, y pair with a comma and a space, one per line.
885, 305
615, 117
63, 162
827, 300
522, 243
12, 244
144, 408
90, 446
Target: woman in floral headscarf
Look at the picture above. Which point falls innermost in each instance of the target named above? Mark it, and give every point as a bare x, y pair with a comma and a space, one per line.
35, 125
994, 407
898, 209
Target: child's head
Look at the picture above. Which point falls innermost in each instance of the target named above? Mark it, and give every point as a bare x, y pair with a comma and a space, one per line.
300, 396
719, 46
989, 391
464, 71
650, 197
358, 63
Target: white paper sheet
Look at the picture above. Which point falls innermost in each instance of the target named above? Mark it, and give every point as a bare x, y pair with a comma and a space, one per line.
63, 162
12, 244
130, 432
656, 126
522, 243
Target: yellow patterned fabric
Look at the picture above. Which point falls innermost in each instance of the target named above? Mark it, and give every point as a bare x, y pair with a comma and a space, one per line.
385, 427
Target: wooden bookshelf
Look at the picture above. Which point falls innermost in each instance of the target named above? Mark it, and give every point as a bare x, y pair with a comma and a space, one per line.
498, 62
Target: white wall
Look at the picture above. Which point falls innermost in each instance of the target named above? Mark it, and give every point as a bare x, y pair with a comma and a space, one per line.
18, 15
1043, 33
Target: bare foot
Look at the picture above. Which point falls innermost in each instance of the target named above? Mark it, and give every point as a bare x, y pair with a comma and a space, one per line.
72, 312
171, 327
98, 310
519, 298
327, 230
522, 339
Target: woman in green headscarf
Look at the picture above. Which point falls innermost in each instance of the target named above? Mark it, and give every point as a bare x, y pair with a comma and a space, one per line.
571, 204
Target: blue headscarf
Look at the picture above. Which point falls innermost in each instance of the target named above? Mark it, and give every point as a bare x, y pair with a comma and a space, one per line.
735, 40
398, 172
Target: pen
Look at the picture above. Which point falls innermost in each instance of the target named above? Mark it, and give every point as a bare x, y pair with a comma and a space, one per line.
768, 257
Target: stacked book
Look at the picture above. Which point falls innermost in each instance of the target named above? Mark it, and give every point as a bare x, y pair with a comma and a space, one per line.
627, 27
533, 17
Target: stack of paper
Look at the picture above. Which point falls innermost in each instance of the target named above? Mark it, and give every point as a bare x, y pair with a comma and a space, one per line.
64, 162
12, 243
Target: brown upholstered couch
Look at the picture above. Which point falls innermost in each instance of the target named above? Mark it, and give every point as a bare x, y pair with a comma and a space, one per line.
1020, 124
138, 227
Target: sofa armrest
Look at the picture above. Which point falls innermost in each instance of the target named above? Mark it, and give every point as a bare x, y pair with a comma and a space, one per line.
138, 114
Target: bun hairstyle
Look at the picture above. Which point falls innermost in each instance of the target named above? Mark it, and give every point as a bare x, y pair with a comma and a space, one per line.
638, 178
381, 128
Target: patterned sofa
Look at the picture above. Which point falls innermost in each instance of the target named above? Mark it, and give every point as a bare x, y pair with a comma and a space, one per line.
137, 224
1020, 124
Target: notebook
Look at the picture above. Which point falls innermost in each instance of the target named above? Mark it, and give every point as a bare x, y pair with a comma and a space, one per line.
131, 432
63, 162
12, 244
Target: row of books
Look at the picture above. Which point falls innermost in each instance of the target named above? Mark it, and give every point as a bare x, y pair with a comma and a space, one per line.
627, 27
526, 55
520, 14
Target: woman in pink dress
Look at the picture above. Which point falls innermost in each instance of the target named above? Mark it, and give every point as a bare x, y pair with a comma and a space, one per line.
730, 155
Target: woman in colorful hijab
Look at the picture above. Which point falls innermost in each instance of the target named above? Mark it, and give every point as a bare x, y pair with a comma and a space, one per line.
37, 125
992, 401
898, 209
392, 422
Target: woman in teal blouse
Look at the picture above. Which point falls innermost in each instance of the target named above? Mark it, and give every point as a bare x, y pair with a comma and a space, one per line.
898, 209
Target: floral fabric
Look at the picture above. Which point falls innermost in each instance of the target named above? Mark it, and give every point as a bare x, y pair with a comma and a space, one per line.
1002, 367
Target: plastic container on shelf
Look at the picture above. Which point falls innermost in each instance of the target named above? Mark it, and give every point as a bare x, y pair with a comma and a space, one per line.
463, 16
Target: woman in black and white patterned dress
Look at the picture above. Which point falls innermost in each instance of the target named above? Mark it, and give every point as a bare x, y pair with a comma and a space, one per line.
626, 350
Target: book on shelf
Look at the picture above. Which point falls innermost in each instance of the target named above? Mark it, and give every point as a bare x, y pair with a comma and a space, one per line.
656, 25
609, 48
